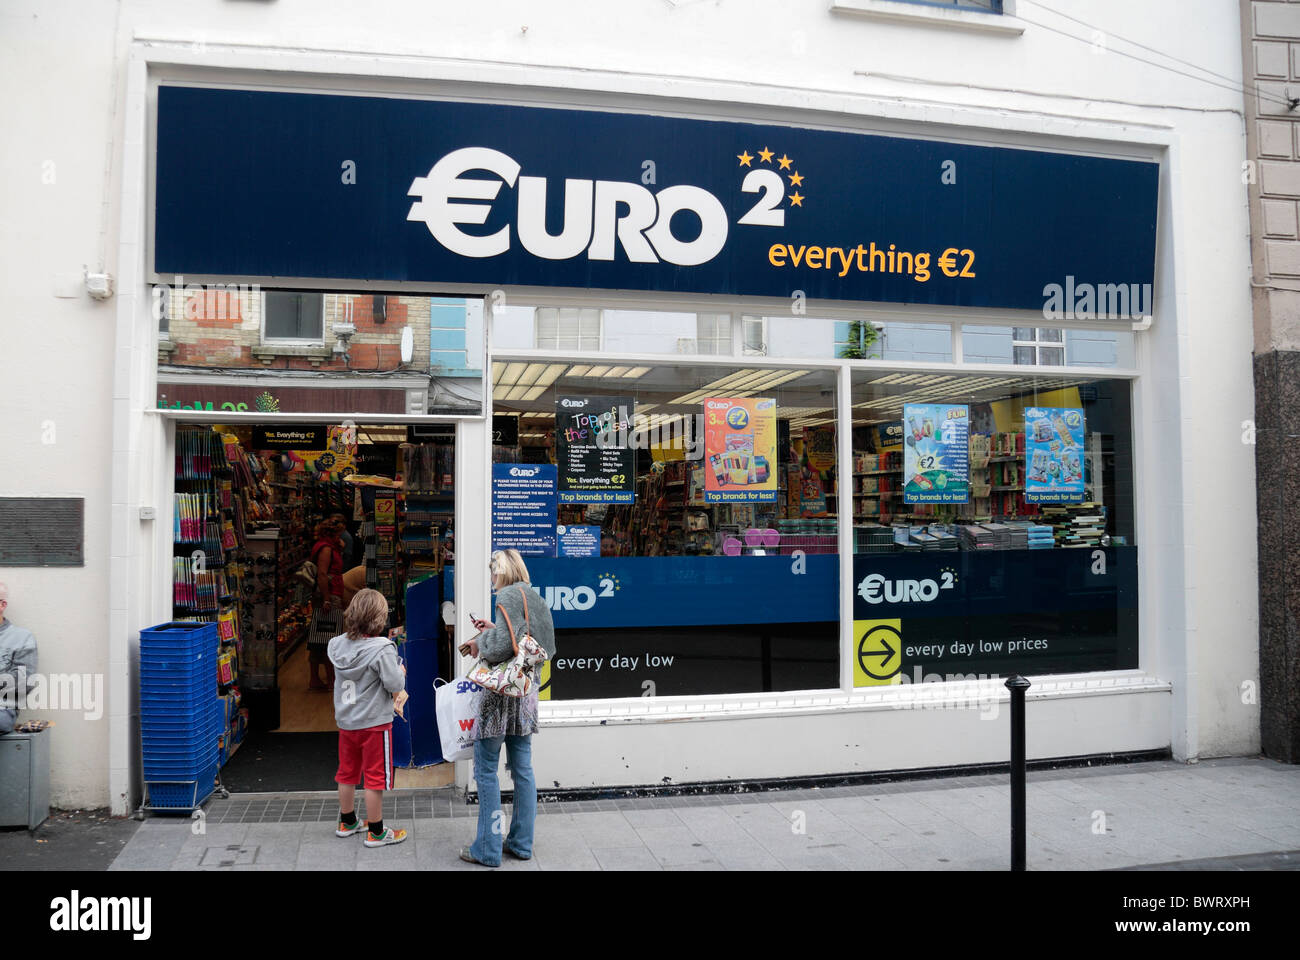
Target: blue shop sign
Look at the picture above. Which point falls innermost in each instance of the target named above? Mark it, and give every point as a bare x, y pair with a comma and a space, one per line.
686, 591
393, 189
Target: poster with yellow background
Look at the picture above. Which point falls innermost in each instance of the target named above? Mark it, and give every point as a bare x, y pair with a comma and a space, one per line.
740, 450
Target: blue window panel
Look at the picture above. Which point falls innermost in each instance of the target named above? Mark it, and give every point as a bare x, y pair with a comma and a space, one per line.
982, 6
451, 363
441, 339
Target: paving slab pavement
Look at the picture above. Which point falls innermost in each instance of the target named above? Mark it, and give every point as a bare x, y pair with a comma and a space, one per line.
1232, 814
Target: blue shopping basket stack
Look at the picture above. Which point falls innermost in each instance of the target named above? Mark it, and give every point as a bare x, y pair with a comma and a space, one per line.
180, 715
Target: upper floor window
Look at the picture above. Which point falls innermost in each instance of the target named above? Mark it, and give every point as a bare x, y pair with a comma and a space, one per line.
713, 334
293, 316
989, 6
566, 328
857, 340
1036, 345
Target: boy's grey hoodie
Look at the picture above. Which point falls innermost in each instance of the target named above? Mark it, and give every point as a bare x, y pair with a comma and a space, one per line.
366, 675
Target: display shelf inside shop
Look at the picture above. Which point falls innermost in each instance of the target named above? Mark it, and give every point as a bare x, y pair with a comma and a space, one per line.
214, 503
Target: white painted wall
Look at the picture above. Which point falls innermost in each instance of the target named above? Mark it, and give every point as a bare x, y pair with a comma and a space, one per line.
65, 67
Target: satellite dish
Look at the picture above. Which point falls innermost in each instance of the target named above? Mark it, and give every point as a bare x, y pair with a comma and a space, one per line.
408, 345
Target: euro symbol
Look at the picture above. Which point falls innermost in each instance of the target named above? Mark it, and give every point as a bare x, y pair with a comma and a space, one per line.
948, 262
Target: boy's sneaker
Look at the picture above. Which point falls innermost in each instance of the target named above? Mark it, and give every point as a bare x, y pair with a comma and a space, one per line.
345, 831
388, 836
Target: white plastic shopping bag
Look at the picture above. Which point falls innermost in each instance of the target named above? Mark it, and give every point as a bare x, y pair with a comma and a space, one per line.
456, 705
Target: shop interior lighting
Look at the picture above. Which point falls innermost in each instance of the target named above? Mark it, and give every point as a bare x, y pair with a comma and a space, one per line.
512, 373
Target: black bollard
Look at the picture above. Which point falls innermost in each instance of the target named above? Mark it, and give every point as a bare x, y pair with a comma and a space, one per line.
1017, 685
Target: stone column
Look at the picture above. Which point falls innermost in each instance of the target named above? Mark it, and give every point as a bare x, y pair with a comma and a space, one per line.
1271, 70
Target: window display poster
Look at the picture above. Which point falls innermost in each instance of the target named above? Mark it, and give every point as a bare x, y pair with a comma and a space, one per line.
740, 450
819, 446
936, 453
579, 541
524, 508
336, 460
812, 495
889, 436
1054, 455
596, 465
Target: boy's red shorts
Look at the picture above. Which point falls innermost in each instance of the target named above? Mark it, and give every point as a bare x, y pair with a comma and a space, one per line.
367, 752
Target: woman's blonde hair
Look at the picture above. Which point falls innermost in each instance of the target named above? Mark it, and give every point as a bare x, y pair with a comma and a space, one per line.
366, 615
509, 566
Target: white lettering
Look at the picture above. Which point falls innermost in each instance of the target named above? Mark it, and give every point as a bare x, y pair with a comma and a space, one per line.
444, 183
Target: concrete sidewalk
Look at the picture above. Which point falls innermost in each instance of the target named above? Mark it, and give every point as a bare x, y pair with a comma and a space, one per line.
1161, 813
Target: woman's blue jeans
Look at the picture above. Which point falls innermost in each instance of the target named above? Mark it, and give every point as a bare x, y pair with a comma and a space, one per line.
487, 846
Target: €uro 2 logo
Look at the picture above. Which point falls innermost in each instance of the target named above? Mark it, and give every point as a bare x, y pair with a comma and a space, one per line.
876, 588
738, 418
598, 214
582, 597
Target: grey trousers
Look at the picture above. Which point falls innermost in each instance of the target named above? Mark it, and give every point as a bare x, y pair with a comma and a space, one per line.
7, 720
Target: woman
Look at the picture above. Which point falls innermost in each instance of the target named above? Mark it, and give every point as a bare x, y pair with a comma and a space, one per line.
327, 554
509, 720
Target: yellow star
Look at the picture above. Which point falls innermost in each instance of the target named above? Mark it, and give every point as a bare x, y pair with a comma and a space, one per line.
796, 199
766, 154
744, 158
784, 161
796, 179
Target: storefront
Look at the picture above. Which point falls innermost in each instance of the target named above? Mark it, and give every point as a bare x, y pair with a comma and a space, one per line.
811, 435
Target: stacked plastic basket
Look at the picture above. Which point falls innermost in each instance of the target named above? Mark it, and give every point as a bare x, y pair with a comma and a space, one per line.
180, 715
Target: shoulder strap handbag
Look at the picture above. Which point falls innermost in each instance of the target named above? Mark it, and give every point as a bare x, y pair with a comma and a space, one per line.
513, 677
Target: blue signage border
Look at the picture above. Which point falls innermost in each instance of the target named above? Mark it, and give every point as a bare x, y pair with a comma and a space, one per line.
387, 188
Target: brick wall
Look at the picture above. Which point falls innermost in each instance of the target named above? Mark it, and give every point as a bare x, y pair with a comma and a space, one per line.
219, 328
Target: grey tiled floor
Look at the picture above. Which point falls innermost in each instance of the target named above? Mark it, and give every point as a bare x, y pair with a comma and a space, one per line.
1091, 818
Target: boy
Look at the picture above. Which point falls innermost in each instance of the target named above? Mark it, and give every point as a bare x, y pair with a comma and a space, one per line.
370, 684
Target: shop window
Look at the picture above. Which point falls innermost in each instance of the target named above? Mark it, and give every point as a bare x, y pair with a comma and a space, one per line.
987, 6
293, 316
755, 331
403, 354
993, 524
567, 328
713, 335
857, 339
679, 520
1038, 345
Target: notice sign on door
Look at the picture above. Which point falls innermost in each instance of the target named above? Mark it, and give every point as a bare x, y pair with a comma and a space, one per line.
740, 450
591, 449
523, 508
579, 541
